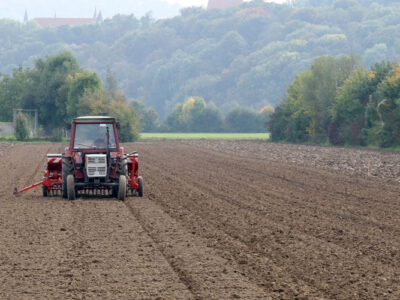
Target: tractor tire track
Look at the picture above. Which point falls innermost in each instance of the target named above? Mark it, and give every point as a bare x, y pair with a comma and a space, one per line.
207, 275
208, 224
182, 276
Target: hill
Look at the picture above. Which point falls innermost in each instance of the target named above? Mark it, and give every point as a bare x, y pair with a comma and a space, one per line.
246, 55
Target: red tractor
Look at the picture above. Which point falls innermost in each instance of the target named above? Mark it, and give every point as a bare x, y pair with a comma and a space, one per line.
94, 163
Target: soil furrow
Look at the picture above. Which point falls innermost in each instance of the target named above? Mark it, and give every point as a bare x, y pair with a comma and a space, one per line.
206, 274
219, 220
285, 243
369, 231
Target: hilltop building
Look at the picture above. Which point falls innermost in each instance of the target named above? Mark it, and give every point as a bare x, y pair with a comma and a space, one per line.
54, 22
223, 4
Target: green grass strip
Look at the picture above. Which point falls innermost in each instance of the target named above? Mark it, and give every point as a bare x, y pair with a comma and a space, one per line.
204, 136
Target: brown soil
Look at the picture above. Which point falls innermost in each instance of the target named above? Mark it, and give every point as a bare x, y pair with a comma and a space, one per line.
219, 220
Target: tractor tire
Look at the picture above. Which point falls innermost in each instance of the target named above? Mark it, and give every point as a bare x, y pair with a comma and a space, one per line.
140, 191
66, 170
45, 192
123, 166
122, 188
71, 187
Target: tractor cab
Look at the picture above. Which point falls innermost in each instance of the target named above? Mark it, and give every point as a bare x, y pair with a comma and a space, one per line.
94, 133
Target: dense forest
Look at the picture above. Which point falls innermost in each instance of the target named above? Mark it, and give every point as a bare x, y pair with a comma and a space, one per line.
247, 55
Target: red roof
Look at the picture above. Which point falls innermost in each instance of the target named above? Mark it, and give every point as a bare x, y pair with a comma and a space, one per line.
54, 22
223, 4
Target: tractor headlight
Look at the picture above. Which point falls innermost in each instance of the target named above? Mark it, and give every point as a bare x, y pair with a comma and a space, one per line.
78, 158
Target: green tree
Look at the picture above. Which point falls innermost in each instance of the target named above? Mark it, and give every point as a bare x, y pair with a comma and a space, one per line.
46, 88
266, 113
389, 109
174, 121
305, 115
319, 92
348, 111
210, 120
291, 120
195, 115
244, 119
13, 91
129, 120
78, 84
148, 116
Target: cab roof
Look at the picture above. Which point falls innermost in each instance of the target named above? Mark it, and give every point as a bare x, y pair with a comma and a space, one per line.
94, 119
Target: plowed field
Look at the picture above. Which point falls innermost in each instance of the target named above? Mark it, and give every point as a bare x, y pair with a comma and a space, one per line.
219, 220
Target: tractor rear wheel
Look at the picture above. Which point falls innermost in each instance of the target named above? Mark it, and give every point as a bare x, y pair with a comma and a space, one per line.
122, 188
66, 170
123, 166
71, 187
140, 191
44, 191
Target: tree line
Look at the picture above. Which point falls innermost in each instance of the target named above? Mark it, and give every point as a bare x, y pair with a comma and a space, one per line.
244, 56
338, 101
195, 115
61, 90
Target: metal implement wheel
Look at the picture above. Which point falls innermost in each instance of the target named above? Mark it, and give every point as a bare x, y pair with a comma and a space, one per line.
140, 191
122, 188
71, 187
44, 188
114, 191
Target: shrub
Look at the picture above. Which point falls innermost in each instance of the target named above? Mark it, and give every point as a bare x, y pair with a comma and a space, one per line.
56, 135
21, 127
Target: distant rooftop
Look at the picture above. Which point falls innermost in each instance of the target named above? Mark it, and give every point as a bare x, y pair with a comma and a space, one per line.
54, 22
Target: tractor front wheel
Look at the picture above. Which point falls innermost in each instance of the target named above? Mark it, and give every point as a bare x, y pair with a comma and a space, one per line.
71, 187
122, 188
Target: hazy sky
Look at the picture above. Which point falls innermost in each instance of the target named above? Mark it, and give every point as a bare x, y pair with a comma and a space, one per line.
15, 9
